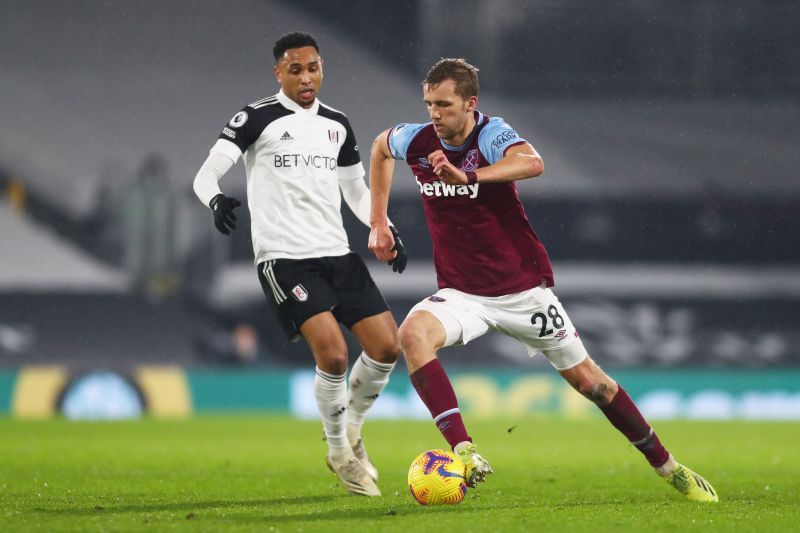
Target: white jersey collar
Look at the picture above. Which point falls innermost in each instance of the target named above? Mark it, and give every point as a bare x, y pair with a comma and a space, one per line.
291, 105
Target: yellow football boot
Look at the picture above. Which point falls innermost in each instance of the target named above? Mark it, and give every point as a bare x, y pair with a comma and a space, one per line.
692, 485
477, 468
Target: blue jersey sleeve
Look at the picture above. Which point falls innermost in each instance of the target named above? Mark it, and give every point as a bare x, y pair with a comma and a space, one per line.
400, 138
495, 138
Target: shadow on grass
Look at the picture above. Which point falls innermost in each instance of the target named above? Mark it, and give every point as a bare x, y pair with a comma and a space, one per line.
386, 513
382, 509
190, 505
266, 509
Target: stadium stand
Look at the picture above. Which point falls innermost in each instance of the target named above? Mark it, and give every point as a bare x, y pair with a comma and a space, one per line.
665, 199
59, 305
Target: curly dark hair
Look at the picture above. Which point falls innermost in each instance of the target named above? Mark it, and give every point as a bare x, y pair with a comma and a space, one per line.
295, 39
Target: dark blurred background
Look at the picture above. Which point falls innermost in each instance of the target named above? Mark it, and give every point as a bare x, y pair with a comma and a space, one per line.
669, 203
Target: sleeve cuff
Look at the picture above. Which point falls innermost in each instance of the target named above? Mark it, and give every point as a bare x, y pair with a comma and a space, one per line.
389, 144
517, 143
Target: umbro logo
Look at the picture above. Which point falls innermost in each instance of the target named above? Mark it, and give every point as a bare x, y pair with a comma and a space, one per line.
286, 136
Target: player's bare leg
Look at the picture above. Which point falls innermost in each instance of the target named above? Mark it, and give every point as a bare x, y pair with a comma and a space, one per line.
421, 334
590, 380
377, 335
325, 339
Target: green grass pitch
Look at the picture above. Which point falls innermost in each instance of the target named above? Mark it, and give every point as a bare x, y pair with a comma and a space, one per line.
267, 473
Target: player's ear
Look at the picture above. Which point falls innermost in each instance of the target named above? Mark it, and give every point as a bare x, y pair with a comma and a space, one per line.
278, 74
472, 104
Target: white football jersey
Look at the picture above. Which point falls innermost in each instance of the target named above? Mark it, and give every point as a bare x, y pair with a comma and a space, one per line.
294, 159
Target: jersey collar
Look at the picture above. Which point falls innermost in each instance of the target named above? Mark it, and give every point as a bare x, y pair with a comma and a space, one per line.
291, 105
478, 120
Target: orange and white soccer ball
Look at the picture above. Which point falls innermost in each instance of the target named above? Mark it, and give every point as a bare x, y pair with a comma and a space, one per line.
436, 477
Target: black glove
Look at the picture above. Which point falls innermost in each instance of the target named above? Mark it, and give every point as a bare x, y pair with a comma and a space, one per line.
400, 260
224, 217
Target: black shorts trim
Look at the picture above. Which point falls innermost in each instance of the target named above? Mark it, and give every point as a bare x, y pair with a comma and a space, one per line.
301, 288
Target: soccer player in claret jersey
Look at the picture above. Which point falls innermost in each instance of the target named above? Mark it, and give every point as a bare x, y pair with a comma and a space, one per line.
298, 154
493, 271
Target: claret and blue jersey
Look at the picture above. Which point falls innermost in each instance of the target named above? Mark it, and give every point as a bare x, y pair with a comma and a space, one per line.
494, 137
483, 243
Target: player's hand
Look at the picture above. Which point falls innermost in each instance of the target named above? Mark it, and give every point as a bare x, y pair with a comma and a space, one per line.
401, 256
224, 217
446, 171
381, 243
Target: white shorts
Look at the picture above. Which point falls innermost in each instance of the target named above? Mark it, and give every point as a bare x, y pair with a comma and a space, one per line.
534, 317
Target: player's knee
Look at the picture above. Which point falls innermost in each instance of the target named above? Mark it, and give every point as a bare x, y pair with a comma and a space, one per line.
336, 366
413, 337
388, 354
395, 353
332, 359
599, 392
408, 336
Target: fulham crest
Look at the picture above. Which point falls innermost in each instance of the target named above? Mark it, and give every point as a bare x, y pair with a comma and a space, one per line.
299, 292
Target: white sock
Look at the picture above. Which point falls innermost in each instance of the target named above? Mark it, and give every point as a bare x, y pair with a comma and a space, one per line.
330, 391
667, 468
461, 445
368, 378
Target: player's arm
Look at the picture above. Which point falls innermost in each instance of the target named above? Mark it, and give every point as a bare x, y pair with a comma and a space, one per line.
237, 135
357, 196
381, 168
520, 162
206, 186
206, 182
351, 176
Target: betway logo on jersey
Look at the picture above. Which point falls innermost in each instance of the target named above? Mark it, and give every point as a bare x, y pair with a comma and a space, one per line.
305, 160
439, 188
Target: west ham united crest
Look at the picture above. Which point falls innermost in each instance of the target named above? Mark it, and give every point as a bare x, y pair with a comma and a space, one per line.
333, 135
470, 161
300, 294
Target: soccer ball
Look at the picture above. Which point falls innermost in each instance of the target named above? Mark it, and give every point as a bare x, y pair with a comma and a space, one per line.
436, 477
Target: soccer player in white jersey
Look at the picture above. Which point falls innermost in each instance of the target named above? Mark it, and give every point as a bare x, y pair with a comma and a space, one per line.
298, 154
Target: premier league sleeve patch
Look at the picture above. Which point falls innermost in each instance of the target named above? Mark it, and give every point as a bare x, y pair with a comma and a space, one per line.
238, 119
